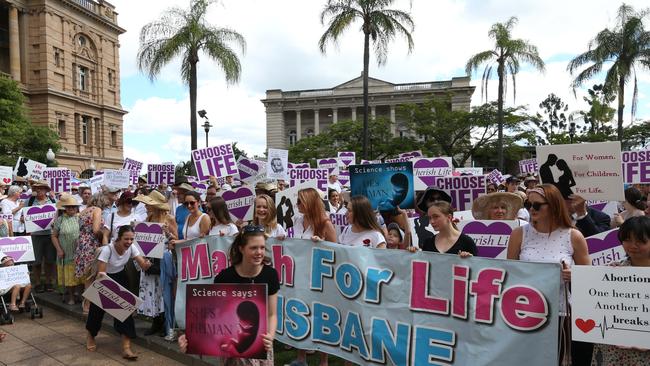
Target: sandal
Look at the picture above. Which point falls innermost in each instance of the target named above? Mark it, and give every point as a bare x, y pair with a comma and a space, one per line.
90, 343
127, 354
21, 307
13, 308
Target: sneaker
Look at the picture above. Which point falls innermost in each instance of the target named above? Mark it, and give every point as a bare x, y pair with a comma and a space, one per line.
171, 336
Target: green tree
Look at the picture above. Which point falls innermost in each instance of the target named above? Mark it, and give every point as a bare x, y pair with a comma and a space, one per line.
238, 152
553, 121
507, 56
19, 136
186, 33
636, 136
626, 47
378, 24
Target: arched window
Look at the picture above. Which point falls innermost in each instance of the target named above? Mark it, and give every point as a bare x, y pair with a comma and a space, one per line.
293, 137
309, 132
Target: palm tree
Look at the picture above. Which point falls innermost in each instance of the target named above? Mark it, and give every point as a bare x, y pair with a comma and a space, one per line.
507, 56
186, 33
379, 24
626, 47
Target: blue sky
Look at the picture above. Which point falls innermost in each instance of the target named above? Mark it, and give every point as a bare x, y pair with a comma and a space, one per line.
282, 53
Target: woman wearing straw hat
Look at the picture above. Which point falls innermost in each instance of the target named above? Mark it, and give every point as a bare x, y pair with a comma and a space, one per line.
42, 241
65, 232
497, 206
151, 290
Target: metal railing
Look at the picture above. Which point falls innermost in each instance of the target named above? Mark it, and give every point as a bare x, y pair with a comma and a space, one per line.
88, 4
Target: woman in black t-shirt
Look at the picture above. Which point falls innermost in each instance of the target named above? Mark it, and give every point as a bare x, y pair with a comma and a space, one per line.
448, 240
249, 265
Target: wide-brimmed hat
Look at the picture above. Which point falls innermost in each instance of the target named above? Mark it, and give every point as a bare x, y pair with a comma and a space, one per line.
157, 200
271, 187
430, 193
66, 199
482, 205
41, 184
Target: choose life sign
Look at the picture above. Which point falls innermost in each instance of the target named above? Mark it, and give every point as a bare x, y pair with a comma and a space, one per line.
217, 161
59, 179
160, 174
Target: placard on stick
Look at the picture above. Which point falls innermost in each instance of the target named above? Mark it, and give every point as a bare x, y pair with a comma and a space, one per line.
387, 186
150, 238
59, 179
112, 298
13, 275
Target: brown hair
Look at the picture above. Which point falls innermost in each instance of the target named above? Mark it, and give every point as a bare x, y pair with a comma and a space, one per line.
314, 209
271, 221
362, 213
446, 209
219, 213
240, 241
557, 210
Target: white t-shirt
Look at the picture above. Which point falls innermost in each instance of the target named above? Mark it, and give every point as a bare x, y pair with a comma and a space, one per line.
278, 231
299, 231
225, 230
335, 186
114, 262
117, 222
367, 238
523, 214
8, 206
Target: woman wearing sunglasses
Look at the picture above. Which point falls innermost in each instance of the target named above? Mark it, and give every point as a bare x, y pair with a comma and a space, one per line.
249, 265
197, 224
550, 237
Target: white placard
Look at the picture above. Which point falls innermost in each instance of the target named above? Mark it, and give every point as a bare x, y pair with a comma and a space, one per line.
95, 183
29, 169
6, 175
591, 170
469, 171
59, 179
150, 239
611, 305
20, 248
12, 276
278, 165
39, 218
112, 298
286, 203
117, 178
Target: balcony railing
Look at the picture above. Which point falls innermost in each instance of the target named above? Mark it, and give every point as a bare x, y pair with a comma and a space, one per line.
88, 4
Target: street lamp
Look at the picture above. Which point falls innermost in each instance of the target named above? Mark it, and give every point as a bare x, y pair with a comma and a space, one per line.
572, 131
49, 155
206, 125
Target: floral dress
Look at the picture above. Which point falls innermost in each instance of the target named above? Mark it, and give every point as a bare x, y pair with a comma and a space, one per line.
67, 229
84, 256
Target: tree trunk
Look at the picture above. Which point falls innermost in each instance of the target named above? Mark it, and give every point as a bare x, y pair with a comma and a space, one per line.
193, 127
621, 107
366, 62
500, 72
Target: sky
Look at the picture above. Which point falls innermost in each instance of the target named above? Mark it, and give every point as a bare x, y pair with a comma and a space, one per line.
282, 53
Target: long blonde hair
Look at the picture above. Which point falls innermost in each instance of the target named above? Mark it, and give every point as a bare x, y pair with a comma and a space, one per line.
271, 221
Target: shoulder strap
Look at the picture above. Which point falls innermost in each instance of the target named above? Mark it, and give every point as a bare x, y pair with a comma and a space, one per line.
31, 200
112, 217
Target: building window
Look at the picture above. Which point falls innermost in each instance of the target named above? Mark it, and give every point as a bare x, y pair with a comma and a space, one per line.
113, 138
85, 122
309, 132
61, 128
57, 57
82, 41
293, 137
83, 78
111, 77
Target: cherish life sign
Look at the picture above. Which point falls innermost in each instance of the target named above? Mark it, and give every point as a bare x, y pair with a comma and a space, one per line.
372, 307
217, 161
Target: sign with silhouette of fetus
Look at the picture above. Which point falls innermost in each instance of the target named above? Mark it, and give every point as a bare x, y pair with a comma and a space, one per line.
226, 320
590, 170
387, 186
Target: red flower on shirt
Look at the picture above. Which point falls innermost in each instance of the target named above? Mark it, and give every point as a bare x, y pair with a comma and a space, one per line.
366, 242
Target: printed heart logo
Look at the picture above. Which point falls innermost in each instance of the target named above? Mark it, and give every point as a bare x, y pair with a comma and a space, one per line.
610, 240
412, 154
197, 185
17, 254
344, 177
495, 228
45, 209
585, 325
243, 192
430, 164
599, 206
156, 229
113, 286
346, 157
298, 166
248, 166
6, 180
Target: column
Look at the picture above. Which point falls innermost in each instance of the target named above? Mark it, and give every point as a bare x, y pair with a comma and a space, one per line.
275, 128
298, 126
14, 43
354, 113
316, 122
335, 115
393, 123
373, 111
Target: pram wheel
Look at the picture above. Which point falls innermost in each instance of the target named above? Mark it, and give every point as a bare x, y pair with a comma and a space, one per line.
7, 319
36, 313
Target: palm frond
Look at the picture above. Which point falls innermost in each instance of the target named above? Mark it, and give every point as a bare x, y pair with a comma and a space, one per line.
336, 27
216, 46
477, 60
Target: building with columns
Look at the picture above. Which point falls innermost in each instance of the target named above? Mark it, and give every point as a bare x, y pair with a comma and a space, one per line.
292, 115
65, 56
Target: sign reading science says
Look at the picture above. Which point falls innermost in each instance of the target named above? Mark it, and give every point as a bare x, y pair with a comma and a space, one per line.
218, 161
373, 307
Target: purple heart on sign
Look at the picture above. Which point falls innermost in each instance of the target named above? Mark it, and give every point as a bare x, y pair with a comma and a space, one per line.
599, 206
495, 228
147, 246
247, 164
344, 177
610, 240
113, 286
239, 212
198, 185
327, 161
16, 255
426, 163
42, 223
298, 166
346, 157
413, 154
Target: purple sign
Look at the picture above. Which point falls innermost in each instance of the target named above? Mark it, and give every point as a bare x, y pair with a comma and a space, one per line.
248, 169
605, 248
217, 161
636, 166
331, 164
160, 174
346, 158
491, 237
426, 169
112, 302
463, 189
240, 202
19, 248
59, 179
301, 175
38, 218
132, 165
496, 177
411, 154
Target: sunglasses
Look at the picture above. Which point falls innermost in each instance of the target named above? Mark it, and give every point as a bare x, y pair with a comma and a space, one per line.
190, 203
534, 205
253, 229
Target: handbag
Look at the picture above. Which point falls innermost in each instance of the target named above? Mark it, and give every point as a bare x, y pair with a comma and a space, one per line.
155, 267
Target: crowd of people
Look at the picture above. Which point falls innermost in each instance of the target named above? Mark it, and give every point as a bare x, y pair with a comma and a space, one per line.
92, 235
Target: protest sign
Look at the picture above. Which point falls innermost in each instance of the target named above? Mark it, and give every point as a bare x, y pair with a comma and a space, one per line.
132, 165
6, 175
95, 183
346, 158
411, 154
368, 305
217, 161
117, 178
214, 313
496, 177
29, 169
365, 162
38, 218
421, 230
286, 202
331, 164
402, 159
111, 297
59, 179
387, 186
301, 175
528, 166
468, 171
249, 169
605, 248
611, 305
19, 248
344, 178
240, 202
636, 166
150, 238
200, 188
463, 189
160, 174
426, 169
13, 275
490, 236
340, 221
278, 164
591, 170
608, 207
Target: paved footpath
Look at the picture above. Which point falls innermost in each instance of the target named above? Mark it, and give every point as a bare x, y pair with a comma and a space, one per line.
60, 340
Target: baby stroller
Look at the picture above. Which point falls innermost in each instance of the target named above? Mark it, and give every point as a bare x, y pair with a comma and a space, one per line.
30, 305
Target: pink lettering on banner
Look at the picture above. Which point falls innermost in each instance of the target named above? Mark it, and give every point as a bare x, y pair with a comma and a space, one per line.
217, 161
195, 263
219, 261
284, 265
